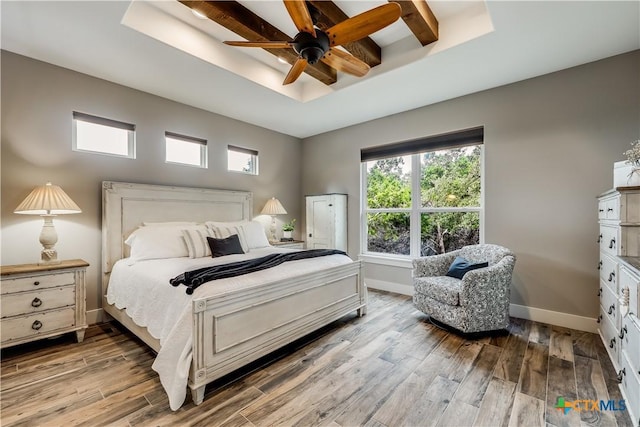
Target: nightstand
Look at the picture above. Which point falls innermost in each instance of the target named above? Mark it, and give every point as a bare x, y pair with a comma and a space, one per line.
292, 244
41, 301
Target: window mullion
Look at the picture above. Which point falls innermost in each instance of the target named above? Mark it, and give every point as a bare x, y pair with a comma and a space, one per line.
416, 201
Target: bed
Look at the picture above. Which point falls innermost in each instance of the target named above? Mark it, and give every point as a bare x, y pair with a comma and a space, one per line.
225, 324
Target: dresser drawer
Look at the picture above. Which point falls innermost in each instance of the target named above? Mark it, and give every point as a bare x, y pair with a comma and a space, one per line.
631, 341
609, 304
609, 240
609, 271
31, 302
35, 282
631, 388
36, 324
610, 337
612, 208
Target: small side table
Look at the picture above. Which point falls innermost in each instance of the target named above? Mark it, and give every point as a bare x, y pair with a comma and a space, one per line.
41, 301
290, 244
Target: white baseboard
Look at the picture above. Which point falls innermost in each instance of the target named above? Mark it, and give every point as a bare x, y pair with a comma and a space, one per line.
95, 316
397, 288
541, 315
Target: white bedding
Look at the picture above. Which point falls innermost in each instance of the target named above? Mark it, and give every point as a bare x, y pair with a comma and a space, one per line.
143, 290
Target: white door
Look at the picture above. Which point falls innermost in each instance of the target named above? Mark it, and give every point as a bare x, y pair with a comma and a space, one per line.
319, 222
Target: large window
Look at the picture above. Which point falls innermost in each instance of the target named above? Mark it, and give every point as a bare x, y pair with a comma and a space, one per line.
104, 136
185, 150
425, 202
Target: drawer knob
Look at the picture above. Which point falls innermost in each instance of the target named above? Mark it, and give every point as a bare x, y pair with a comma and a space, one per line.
612, 276
600, 210
599, 265
612, 342
599, 291
37, 302
612, 243
599, 318
36, 325
622, 332
599, 238
612, 308
621, 374
36, 283
609, 209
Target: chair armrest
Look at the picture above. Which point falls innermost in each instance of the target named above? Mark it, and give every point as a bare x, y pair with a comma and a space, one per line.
434, 265
493, 282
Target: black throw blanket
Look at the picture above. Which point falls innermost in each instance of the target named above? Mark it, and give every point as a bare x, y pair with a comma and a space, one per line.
193, 279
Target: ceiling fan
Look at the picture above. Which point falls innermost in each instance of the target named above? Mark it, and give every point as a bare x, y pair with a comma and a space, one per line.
313, 45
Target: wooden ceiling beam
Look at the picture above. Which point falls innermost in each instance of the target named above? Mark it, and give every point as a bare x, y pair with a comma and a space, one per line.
420, 19
364, 49
237, 18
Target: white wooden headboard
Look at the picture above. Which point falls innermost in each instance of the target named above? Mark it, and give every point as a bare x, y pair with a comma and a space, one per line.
125, 206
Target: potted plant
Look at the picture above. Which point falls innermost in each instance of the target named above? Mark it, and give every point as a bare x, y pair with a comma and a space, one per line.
287, 229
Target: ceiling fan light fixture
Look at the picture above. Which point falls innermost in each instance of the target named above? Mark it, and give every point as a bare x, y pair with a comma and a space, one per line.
309, 47
198, 14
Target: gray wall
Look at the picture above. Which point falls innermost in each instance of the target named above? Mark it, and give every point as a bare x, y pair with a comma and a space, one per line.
550, 144
37, 101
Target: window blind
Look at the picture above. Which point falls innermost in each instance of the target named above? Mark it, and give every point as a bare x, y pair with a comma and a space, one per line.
102, 121
185, 138
461, 138
242, 150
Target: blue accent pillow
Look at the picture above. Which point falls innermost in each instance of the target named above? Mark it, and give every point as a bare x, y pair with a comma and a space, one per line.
461, 266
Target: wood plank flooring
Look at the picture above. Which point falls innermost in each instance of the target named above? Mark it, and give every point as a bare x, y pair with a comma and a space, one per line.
390, 368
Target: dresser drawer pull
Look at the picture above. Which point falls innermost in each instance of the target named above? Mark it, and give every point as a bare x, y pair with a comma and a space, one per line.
609, 209
599, 265
611, 309
600, 210
36, 325
612, 342
599, 238
599, 291
37, 302
622, 332
599, 318
621, 374
612, 276
612, 243
36, 283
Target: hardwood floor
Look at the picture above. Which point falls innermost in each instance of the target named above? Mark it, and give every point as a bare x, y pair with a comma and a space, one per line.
389, 368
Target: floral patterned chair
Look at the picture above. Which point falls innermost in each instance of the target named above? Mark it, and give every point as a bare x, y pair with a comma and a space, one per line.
476, 303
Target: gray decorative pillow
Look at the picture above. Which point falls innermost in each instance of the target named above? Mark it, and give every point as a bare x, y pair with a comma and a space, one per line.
460, 267
226, 246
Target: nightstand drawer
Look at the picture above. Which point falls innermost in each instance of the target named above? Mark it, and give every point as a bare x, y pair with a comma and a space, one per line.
35, 324
36, 282
31, 302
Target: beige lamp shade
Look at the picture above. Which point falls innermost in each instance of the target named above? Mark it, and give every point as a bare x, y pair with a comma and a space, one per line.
273, 207
47, 199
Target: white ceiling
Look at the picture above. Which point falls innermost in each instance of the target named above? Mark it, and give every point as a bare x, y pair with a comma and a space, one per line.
160, 48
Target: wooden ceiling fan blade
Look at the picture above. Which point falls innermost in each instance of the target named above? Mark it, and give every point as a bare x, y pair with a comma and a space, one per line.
362, 25
300, 15
345, 62
264, 45
295, 71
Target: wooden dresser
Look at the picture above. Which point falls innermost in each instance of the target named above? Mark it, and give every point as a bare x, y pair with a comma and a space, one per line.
619, 324
40, 301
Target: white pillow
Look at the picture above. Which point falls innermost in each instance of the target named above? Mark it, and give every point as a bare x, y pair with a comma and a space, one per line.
196, 241
226, 231
157, 243
255, 235
169, 224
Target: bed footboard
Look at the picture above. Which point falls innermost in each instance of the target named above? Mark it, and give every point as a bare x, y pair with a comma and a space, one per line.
233, 330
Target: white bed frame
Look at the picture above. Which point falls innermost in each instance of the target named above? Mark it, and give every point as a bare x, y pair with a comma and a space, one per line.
242, 326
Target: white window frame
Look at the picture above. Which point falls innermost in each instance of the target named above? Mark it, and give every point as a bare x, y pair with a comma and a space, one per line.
415, 211
202, 143
254, 159
101, 121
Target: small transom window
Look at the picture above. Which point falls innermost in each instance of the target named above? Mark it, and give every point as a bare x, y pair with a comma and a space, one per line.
242, 160
186, 150
104, 136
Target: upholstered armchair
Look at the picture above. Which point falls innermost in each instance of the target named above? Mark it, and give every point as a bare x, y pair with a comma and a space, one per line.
477, 302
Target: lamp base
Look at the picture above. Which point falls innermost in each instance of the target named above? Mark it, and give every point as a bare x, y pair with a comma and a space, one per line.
49, 257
